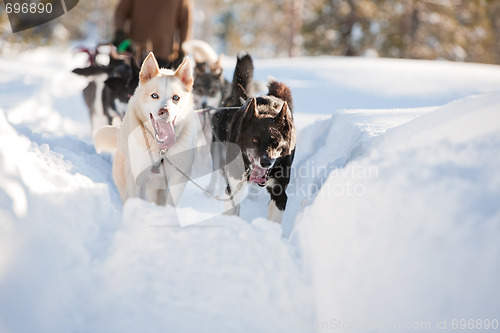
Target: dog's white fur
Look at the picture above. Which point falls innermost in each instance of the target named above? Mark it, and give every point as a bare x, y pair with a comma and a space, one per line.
201, 51
132, 163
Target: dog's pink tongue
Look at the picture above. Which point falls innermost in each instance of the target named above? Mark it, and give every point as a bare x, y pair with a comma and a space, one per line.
164, 130
258, 175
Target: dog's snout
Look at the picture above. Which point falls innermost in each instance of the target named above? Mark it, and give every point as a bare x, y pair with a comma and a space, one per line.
265, 161
163, 112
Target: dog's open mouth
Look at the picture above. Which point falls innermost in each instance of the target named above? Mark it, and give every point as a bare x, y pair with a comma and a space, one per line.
259, 175
164, 131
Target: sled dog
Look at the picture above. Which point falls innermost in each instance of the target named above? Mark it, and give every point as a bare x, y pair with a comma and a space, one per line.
159, 127
264, 130
241, 88
106, 103
210, 87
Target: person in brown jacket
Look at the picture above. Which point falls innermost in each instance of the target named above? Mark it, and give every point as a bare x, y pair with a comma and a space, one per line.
160, 26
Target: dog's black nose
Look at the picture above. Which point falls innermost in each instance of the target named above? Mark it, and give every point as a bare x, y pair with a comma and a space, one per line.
163, 111
265, 161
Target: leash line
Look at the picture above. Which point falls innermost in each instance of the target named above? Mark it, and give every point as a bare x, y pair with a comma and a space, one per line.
217, 109
239, 186
163, 153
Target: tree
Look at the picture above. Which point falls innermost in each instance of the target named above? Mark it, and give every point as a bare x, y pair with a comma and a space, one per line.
466, 30
262, 27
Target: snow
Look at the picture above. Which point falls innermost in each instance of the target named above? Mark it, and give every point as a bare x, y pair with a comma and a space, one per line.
393, 214
417, 237
326, 84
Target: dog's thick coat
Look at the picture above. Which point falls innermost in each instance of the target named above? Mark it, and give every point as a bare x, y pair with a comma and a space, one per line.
106, 94
210, 87
241, 87
139, 170
263, 128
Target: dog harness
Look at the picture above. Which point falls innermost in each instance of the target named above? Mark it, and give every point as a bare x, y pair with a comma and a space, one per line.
155, 167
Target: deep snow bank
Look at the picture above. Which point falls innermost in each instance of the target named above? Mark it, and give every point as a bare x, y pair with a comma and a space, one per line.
223, 276
417, 238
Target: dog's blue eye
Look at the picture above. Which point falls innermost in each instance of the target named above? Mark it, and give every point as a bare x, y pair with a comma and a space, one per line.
176, 98
154, 95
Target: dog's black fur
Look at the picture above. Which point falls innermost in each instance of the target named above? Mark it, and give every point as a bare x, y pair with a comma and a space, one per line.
241, 90
263, 128
242, 86
221, 119
120, 81
122, 87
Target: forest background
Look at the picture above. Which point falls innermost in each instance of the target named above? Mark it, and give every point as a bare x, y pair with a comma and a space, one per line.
456, 30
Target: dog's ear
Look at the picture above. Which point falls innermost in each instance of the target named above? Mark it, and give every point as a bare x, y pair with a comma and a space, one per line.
282, 118
282, 115
149, 68
185, 74
286, 123
251, 110
216, 68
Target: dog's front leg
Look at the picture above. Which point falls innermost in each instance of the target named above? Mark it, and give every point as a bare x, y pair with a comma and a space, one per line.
277, 185
218, 162
232, 207
235, 174
277, 204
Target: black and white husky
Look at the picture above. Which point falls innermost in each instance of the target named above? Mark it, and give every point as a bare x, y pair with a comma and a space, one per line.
108, 91
264, 130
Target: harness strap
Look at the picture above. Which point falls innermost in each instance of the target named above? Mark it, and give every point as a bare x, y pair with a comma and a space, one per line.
163, 153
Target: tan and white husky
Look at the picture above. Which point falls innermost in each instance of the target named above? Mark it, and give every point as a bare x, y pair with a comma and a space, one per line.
159, 128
